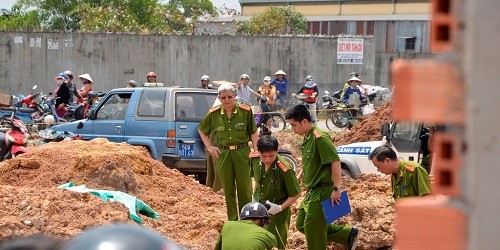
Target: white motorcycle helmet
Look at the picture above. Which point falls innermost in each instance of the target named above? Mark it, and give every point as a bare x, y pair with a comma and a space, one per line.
49, 119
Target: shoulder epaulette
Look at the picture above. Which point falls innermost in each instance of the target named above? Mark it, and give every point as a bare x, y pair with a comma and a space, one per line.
214, 109
409, 168
245, 107
283, 167
316, 134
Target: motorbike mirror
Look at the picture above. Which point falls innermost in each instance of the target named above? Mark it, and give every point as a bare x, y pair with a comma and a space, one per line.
386, 130
327, 92
34, 87
80, 125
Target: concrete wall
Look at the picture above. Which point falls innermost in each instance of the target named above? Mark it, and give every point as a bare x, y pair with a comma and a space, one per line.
111, 60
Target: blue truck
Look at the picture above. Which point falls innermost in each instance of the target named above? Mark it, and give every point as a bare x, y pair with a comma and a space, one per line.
164, 120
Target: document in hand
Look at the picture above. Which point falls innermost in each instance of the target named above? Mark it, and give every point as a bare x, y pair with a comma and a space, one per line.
333, 213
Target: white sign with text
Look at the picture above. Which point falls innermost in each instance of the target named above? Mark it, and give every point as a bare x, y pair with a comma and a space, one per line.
350, 51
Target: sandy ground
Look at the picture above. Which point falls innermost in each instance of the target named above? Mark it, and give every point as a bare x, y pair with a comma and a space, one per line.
190, 214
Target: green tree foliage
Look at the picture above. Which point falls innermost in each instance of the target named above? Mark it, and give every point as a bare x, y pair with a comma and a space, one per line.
274, 21
136, 16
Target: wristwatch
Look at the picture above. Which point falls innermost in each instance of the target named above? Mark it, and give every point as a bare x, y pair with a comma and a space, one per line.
335, 188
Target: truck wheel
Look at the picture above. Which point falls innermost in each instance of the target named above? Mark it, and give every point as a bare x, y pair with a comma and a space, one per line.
201, 178
346, 172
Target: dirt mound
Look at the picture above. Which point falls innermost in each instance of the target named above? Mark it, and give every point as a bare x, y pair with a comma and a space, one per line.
191, 214
367, 128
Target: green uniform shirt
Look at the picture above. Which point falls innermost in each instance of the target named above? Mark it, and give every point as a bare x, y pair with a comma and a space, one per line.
412, 180
229, 131
244, 235
318, 153
274, 184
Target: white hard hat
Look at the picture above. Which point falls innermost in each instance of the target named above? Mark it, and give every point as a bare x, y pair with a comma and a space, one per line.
205, 78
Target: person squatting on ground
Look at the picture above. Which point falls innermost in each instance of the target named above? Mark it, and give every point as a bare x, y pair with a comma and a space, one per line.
311, 91
408, 178
247, 233
275, 185
281, 83
244, 92
234, 126
322, 178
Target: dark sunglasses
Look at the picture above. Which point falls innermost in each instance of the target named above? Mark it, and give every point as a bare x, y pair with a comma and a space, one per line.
229, 97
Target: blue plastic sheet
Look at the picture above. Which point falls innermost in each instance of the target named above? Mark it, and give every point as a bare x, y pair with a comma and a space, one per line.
133, 204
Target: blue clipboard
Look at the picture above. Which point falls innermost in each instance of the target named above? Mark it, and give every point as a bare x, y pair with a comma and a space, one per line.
333, 213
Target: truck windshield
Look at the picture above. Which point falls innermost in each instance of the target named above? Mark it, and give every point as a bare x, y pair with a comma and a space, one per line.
406, 131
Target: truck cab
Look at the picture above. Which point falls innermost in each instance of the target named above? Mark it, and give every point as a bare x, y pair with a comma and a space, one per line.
164, 120
408, 139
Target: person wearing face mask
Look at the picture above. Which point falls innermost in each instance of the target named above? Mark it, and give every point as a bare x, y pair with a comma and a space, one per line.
311, 91
88, 85
63, 94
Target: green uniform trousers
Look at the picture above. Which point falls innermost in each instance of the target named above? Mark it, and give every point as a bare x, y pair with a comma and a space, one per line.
213, 180
234, 165
279, 225
311, 221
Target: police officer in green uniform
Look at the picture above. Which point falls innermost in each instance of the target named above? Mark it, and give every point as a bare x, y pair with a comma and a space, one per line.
322, 178
248, 232
233, 126
407, 178
276, 185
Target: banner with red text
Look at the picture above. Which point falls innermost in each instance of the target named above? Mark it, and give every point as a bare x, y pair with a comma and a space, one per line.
350, 51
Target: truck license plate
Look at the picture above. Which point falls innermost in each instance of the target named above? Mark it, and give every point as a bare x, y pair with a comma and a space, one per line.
186, 150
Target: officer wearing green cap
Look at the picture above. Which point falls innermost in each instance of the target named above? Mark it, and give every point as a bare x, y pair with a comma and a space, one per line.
248, 232
322, 178
234, 126
408, 178
276, 185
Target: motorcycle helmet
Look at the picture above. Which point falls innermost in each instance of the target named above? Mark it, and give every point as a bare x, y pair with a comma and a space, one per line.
309, 78
205, 78
254, 210
354, 74
267, 80
119, 237
244, 76
49, 119
151, 74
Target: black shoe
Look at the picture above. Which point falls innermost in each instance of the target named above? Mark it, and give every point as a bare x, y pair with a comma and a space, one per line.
352, 240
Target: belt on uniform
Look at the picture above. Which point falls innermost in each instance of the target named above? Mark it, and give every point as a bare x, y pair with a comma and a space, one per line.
234, 147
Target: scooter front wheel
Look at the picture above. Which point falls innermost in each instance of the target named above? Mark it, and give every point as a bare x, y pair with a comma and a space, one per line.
278, 123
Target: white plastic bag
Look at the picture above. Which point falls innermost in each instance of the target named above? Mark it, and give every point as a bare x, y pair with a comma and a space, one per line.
368, 109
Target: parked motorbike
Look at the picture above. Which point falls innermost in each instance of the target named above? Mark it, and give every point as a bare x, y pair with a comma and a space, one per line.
277, 120
82, 110
338, 113
20, 112
13, 141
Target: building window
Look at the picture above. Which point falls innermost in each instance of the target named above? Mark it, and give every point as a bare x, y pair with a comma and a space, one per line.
410, 43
